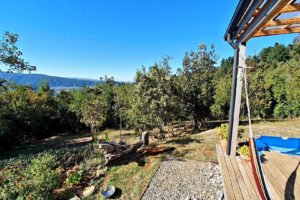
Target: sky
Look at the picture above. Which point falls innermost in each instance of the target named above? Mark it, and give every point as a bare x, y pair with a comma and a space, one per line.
93, 38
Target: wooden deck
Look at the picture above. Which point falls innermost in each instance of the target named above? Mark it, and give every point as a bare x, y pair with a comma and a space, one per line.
282, 173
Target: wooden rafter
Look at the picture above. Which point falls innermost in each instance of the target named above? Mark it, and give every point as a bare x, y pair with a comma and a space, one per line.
277, 31
291, 8
265, 19
281, 22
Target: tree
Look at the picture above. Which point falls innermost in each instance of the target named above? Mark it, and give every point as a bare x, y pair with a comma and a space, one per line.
220, 107
97, 106
11, 56
122, 98
260, 95
152, 102
197, 83
94, 111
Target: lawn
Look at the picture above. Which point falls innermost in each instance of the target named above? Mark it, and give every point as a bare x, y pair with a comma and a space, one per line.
131, 179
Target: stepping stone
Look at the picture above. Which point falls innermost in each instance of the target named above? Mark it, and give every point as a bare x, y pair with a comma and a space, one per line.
88, 191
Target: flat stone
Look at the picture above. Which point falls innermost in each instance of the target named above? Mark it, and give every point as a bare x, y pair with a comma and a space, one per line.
75, 198
88, 191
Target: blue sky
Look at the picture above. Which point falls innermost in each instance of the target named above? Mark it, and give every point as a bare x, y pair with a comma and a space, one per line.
93, 38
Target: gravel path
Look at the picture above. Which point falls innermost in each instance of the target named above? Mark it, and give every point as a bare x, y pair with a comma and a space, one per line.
185, 180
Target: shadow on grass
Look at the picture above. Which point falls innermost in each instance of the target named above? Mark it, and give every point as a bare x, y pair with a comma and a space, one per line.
139, 158
117, 194
183, 141
37, 148
182, 153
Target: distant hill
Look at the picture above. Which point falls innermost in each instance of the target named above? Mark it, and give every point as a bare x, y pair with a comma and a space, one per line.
56, 83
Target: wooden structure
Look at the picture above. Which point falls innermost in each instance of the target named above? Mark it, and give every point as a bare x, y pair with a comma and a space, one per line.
281, 172
255, 18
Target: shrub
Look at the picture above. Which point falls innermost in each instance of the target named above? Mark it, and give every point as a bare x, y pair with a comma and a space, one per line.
73, 178
43, 177
244, 150
222, 131
30, 180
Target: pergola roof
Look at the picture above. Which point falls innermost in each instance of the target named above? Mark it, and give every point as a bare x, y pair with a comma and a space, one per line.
255, 18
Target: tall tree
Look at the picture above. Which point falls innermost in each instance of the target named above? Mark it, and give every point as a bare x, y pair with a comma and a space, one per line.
152, 103
197, 85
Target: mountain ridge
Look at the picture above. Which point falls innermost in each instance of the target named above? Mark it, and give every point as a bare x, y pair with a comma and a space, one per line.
55, 82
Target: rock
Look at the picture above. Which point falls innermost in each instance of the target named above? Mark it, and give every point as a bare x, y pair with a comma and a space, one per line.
75, 198
88, 191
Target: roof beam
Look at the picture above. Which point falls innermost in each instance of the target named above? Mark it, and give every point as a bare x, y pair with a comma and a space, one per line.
277, 31
252, 10
291, 8
270, 11
280, 22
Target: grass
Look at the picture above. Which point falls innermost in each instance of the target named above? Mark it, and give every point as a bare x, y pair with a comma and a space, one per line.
131, 179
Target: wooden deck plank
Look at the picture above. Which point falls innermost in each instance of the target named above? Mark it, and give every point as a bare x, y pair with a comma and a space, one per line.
287, 167
228, 190
233, 178
250, 187
282, 174
249, 172
278, 180
287, 176
239, 177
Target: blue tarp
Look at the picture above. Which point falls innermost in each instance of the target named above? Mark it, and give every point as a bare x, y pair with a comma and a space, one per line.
279, 144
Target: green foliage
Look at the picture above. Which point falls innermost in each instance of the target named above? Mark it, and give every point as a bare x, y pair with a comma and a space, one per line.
36, 181
97, 106
196, 83
74, 178
106, 136
244, 150
260, 95
222, 131
11, 56
221, 105
152, 103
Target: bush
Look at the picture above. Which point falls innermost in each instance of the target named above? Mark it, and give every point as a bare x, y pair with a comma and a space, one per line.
222, 131
244, 150
73, 178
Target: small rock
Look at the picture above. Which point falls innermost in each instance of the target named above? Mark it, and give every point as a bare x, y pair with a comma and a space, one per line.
88, 191
75, 198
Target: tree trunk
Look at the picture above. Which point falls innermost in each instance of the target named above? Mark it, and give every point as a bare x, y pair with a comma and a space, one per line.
114, 152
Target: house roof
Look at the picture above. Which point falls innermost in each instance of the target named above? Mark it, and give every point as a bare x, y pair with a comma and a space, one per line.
256, 18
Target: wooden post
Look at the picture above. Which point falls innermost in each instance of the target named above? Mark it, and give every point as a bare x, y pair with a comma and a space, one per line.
232, 98
237, 100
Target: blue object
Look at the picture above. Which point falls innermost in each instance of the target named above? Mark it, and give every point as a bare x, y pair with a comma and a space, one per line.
279, 144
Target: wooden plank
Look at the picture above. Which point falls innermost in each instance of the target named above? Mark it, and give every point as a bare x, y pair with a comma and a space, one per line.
248, 168
278, 180
291, 8
277, 31
274, 193
281, 22
287, 165
233, 179
273, 184
286, 187
244, 183
247, 178
228, 190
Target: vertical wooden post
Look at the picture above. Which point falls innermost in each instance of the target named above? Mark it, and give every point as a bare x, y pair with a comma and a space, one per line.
232, 98
238, 96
